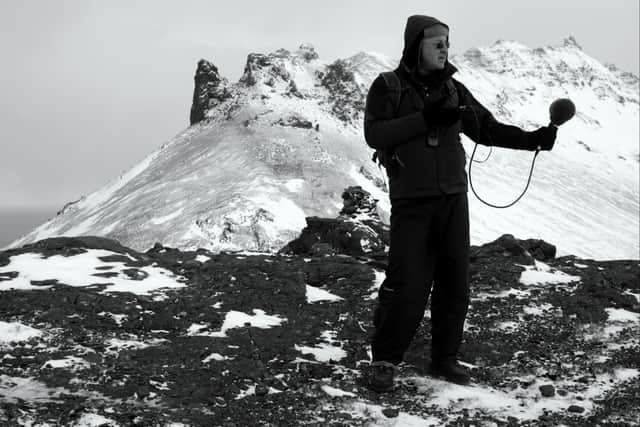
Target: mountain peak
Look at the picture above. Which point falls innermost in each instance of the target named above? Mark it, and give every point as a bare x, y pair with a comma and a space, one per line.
571, 42
508, 44
275, 65
307, 51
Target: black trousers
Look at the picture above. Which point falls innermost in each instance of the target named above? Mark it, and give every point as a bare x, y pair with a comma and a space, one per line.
429, 246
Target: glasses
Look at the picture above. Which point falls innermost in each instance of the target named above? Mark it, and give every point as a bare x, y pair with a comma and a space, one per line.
441, 44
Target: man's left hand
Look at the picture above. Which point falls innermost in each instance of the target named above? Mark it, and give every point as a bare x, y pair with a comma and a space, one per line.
543, 138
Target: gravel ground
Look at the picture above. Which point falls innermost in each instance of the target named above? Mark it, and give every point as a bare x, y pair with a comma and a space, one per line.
255, 339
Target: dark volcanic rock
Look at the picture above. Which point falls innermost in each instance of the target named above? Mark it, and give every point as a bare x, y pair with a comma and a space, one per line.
346, 97
390, 412
357, 231
271, 64
246, 343
539, 249
589, 300
209, 91
547, 390
508, 246
335, 236
69, 246
358, 201
308, 52
292, 90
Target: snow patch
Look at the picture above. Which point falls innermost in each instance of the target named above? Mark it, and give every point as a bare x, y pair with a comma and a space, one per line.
295, 185
14, 389
78, 270
519, 293
69, 362
238, 319
637, 296
537, 310
252, 390
114, 345
16, 331
336, 392
287, 215
215, 357
315, 294
326, 351
622, 315
509, 325
365, 410
202, 258
94, 420
542, 273
377, 282
323, 352
118, 318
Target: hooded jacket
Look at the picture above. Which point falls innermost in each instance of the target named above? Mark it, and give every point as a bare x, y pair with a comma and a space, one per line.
423, 169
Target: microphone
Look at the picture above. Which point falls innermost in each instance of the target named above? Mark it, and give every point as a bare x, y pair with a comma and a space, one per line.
561, 110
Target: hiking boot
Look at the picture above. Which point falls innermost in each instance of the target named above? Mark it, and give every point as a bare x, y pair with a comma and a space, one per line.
381, 376
450, 370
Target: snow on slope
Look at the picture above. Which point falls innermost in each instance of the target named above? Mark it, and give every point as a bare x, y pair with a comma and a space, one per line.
584, 194
289, 140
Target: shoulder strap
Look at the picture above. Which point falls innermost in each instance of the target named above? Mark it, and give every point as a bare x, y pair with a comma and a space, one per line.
394, 87
454, 87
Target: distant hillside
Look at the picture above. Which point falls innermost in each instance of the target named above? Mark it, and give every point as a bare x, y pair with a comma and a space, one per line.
282, 142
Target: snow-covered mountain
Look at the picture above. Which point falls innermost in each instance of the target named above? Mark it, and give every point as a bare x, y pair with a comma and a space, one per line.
284, 141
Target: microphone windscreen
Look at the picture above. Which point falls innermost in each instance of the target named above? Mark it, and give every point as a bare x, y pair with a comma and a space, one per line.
561, 110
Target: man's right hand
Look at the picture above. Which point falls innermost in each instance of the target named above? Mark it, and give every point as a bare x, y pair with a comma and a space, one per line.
435, 115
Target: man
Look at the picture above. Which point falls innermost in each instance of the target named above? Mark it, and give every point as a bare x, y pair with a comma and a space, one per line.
418, 137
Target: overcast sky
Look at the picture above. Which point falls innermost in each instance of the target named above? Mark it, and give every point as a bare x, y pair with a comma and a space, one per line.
89, 88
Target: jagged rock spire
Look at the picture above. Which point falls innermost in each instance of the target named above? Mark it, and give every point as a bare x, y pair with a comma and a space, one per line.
209, 90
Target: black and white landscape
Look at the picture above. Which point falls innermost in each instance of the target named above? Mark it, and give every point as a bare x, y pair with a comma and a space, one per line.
229, 277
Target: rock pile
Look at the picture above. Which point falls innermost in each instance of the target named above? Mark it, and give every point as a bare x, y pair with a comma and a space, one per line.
356, 231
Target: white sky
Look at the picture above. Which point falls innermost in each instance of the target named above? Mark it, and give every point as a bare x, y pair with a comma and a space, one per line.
89, 88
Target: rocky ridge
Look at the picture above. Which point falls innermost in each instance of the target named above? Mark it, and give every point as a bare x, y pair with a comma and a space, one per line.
282, 142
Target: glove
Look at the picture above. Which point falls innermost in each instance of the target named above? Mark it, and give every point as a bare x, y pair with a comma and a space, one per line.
544, 138
435, 115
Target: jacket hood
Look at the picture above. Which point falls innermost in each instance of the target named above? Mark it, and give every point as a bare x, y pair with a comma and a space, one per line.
413, 31
413, 34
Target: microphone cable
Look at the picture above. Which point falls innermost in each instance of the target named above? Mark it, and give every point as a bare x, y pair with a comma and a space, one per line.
472, 160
